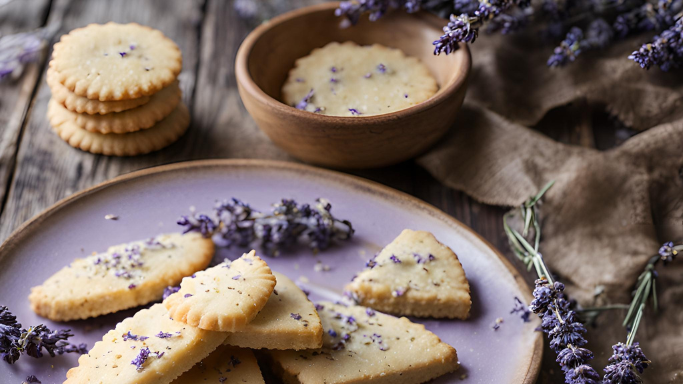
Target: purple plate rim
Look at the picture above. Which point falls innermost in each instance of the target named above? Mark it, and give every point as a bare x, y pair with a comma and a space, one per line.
534, 357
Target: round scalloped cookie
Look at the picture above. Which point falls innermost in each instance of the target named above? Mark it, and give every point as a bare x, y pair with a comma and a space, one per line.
160, 105
163, 134
113, 61
80, 104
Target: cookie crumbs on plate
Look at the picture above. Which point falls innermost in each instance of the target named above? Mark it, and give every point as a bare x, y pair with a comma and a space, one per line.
111, 217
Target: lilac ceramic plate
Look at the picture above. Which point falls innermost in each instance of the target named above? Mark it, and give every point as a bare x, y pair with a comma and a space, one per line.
149, 202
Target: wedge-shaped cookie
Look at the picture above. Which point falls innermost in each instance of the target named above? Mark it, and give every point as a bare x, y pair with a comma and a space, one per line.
146, 348
288, 321
125, 276
414, 275
224, 365
364, 346
223, 298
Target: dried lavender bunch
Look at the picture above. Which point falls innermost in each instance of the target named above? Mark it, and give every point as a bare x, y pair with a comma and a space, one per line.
558, 320
236, 223
15, 340
586, 24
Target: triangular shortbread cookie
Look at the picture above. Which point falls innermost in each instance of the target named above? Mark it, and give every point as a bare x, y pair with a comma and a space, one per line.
146, 348
224, 365
363, 346
125, 276
223, 298
288, 321
414, 275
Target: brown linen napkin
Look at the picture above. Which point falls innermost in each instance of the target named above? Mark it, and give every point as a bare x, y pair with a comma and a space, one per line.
609, 211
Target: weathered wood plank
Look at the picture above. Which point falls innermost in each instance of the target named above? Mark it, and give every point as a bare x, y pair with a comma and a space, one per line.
15, 95
47, 169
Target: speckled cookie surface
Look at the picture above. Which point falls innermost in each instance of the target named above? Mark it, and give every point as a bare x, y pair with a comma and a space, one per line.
160, 105
164, 133
224, 365
124, 276
414, 275
288, 321
364, 346
80, 104
115, 61
144, 349
351, 80
225, 297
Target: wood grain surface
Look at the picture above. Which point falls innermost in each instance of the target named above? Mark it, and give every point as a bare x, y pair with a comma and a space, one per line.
37, 169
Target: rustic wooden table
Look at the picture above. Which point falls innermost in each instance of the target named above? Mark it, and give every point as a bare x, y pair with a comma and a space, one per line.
37, 169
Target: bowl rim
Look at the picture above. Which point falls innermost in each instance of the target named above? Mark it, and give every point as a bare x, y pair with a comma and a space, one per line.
245, 80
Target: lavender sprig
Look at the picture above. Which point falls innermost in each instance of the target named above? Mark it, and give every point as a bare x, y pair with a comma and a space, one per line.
665, 51
236, 223
34, 341
598, 35
558, 320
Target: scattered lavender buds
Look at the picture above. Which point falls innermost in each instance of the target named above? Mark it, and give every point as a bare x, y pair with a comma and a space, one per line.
354, 112
295, 316
395, 259
236, 223
32, 379
522, 309
141, 358
381, 68
236, 277
15, 340
168, 291
129, 336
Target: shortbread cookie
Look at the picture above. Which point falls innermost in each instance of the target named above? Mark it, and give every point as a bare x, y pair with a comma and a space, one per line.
146, 348
115, 61
223, 298
288, 321
125, 276
160, 105
364, 346
351, 80
163, 134
80, 104
224, 365
414, 275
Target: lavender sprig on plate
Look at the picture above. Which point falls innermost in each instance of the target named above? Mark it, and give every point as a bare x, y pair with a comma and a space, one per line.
236, 223
34, 341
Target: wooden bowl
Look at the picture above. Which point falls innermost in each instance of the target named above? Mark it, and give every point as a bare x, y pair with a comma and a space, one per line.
269, 52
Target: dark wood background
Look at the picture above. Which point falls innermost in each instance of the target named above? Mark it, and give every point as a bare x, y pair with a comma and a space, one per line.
37, 169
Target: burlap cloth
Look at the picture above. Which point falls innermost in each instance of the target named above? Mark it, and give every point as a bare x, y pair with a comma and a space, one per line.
608, 212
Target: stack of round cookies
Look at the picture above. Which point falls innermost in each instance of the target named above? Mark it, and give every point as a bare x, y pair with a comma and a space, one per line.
115, 90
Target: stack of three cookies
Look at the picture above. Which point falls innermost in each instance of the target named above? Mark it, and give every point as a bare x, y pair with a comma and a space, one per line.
115, 90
